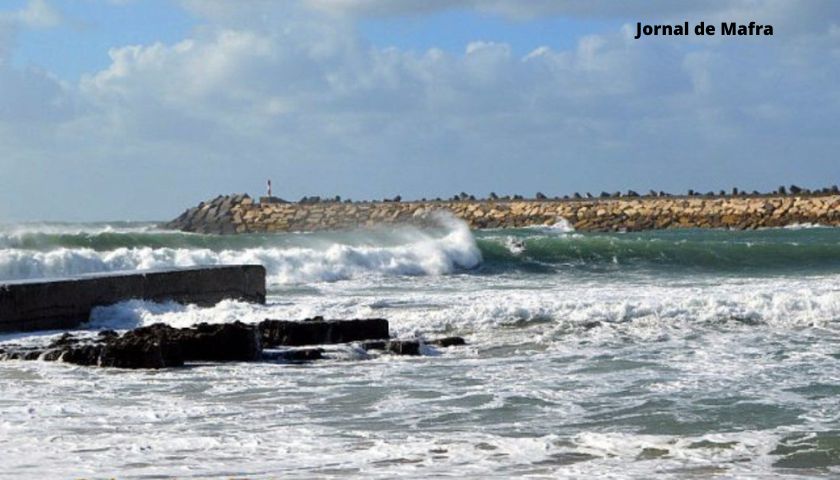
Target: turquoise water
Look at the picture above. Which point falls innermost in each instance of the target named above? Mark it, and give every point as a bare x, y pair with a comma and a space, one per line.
672, 354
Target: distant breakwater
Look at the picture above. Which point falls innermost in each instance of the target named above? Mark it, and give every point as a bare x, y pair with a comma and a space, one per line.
242, 214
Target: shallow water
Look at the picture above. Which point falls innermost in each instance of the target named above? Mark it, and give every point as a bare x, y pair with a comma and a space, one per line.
679, 354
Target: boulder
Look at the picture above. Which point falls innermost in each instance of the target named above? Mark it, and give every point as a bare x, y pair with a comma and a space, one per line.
295, 355
317, 331
411, 347
236, 342
398, 347
447, 342
140, 350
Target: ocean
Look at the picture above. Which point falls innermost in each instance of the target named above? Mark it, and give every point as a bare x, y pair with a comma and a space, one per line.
675, 354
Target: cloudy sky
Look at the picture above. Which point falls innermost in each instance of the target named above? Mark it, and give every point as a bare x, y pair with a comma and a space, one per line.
121, 109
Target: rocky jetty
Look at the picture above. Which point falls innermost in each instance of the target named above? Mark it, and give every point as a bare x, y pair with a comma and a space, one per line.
616, 211
162, 346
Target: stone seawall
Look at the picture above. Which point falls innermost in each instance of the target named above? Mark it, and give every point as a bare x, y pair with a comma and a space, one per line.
241, 214
28, 305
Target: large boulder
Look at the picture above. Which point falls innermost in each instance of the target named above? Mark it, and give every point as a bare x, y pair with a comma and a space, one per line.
220, 342
317, 331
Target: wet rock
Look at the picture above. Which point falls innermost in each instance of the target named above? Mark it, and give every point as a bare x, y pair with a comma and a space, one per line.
219, 342
296, 355
147, 349
63, 341
398, 347
155, 346
448, 342
86, 355
411, 347
321, 332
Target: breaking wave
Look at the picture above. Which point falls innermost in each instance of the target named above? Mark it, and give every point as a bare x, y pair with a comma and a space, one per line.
405, 251
55, 251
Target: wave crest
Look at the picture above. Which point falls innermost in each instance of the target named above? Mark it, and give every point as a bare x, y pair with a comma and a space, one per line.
407, 251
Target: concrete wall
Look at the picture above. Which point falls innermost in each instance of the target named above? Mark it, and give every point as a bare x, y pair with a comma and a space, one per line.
239, 214
67, 303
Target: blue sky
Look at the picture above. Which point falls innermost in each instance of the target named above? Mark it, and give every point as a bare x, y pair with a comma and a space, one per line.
128, 109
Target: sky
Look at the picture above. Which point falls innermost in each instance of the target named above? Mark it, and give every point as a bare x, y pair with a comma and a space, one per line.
137, 109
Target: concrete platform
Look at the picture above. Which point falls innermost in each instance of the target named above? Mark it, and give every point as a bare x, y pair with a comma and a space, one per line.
67, 302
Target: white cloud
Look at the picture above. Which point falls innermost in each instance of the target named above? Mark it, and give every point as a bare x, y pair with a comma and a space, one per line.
267, 90
36, 14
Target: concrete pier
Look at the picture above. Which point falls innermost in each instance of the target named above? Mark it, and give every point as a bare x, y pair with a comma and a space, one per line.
67, 303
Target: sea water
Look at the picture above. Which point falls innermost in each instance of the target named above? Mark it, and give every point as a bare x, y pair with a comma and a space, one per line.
676, 354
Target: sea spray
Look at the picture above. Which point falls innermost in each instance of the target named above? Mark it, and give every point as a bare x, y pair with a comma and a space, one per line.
309, 258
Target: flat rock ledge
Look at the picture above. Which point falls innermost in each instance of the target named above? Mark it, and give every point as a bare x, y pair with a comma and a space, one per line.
162, 346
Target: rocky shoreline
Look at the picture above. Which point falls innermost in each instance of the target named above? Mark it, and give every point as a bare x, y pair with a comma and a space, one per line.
162, 346
607, 212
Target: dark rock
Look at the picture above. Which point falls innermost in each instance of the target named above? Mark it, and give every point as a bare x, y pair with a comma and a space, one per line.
795, 190
108, 334
404, 347
296, 355
86, 355
63, 341
375, 345
541, 196
222, 342
155, 346
52, 355
398, 347
32, 355
577, 195
319, 331
447, 342
493, 196
146, 349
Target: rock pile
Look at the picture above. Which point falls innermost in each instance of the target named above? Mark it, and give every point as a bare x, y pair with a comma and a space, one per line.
162, 346
611, 212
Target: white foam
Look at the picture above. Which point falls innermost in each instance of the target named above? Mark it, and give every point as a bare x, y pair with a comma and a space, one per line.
419, 253
556, 306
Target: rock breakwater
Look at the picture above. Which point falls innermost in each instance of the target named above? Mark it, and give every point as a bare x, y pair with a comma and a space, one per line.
609, 212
